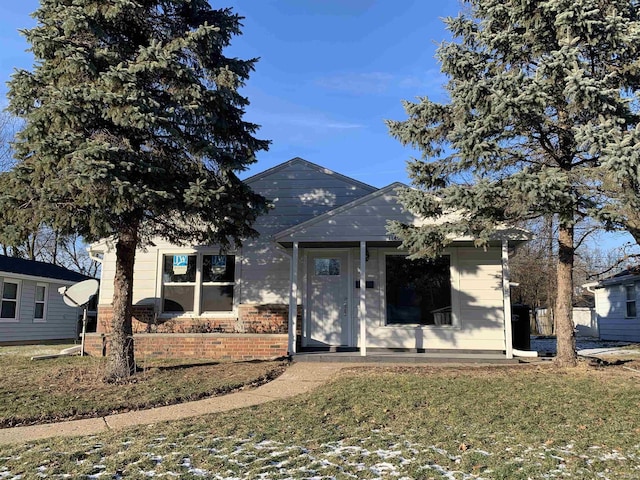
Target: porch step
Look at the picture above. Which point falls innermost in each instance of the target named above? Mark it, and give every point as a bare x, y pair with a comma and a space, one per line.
404, 357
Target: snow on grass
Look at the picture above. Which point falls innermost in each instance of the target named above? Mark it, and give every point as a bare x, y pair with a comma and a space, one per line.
379, 456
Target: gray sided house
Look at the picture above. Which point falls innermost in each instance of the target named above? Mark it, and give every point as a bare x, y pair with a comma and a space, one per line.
31, 309
325, 271
617, 307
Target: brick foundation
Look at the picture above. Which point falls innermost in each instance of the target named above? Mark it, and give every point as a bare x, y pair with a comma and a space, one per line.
268, 318
212, 346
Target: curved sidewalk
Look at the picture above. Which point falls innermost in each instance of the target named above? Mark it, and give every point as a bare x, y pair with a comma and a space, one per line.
298, 378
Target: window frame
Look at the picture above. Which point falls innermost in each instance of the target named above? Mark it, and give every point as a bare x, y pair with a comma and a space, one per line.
44, 303
630, 301
197, 285
453, 282
18, 284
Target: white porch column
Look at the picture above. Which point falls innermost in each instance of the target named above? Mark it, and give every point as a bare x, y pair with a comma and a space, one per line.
293, 300
363, 298
506, 295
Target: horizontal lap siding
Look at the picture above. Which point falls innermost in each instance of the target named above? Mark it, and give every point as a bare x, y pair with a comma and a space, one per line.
481, 324
611, 307
61, 320
481, 298
265, 274
359, 222
298, 192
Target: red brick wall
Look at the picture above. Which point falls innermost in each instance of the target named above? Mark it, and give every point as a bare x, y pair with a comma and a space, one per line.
198, 346
269, 318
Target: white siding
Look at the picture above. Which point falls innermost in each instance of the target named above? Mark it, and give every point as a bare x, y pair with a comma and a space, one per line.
477, 304
298, 191
60, 323
611, 310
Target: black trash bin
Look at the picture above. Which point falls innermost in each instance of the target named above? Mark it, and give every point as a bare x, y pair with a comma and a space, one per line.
520, 334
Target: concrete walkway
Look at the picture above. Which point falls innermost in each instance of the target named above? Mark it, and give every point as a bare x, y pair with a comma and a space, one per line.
298, 378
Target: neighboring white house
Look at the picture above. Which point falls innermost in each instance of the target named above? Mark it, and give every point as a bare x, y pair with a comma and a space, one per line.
326, 238
31, 308
617, 306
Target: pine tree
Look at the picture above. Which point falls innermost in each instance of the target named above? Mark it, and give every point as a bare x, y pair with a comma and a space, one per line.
133, 130
542, 107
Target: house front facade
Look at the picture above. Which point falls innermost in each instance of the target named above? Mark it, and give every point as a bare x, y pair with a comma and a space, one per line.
31, 309
617, 307
326, 273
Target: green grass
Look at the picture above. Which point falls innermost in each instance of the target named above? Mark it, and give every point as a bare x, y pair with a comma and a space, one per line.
493, 423
72, 387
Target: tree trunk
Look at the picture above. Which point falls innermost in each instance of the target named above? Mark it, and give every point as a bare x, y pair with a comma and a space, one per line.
121, 363
565, 334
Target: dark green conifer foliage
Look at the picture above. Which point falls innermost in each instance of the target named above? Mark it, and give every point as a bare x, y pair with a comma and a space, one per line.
134, 129
542, 98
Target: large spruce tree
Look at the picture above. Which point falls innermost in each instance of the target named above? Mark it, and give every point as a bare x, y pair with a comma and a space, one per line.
541, 116
133, 128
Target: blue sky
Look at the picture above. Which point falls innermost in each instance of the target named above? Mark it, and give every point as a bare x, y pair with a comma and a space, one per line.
330, 73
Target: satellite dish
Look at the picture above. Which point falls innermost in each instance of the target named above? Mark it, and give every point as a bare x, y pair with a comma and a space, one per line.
80, 293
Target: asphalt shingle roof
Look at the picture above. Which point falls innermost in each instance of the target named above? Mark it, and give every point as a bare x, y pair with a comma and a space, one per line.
21, 266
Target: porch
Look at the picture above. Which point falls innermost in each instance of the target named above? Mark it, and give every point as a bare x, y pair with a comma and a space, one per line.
404, 356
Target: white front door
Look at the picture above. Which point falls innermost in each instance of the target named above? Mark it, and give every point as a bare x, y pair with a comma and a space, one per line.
328, 299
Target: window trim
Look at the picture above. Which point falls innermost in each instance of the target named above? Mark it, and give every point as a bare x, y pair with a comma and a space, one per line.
629, 301
198, 284
18, 283
44, 302
454, 284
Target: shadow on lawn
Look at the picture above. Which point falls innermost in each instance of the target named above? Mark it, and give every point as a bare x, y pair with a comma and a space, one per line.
184, 366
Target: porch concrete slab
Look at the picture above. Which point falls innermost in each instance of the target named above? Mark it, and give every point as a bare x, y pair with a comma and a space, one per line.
403, 358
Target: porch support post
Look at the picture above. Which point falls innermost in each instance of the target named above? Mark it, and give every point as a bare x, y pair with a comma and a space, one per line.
506, 295
363, 298
293, 300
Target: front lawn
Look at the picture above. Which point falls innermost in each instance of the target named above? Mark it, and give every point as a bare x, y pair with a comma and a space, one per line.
72, 387
521, 422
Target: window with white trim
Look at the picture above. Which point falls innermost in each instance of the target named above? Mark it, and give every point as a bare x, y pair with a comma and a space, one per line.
197, 283
10, 297
40, 311
630, 296
418, 292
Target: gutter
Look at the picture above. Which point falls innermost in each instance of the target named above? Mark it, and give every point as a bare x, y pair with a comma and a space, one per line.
589, 286
93, 256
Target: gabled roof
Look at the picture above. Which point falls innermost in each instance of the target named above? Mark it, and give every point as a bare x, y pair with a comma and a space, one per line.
366, 218
313, 166
631, 274
343, 209
31, 268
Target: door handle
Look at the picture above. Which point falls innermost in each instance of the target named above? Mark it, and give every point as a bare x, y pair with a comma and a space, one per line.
344, 306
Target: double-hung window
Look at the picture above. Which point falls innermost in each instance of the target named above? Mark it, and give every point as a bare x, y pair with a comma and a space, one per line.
40, 311
630, 296
9, 302
198, 283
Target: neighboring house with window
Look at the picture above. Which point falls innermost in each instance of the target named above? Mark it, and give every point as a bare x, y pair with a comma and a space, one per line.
326, 271
31, 308
617, 308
